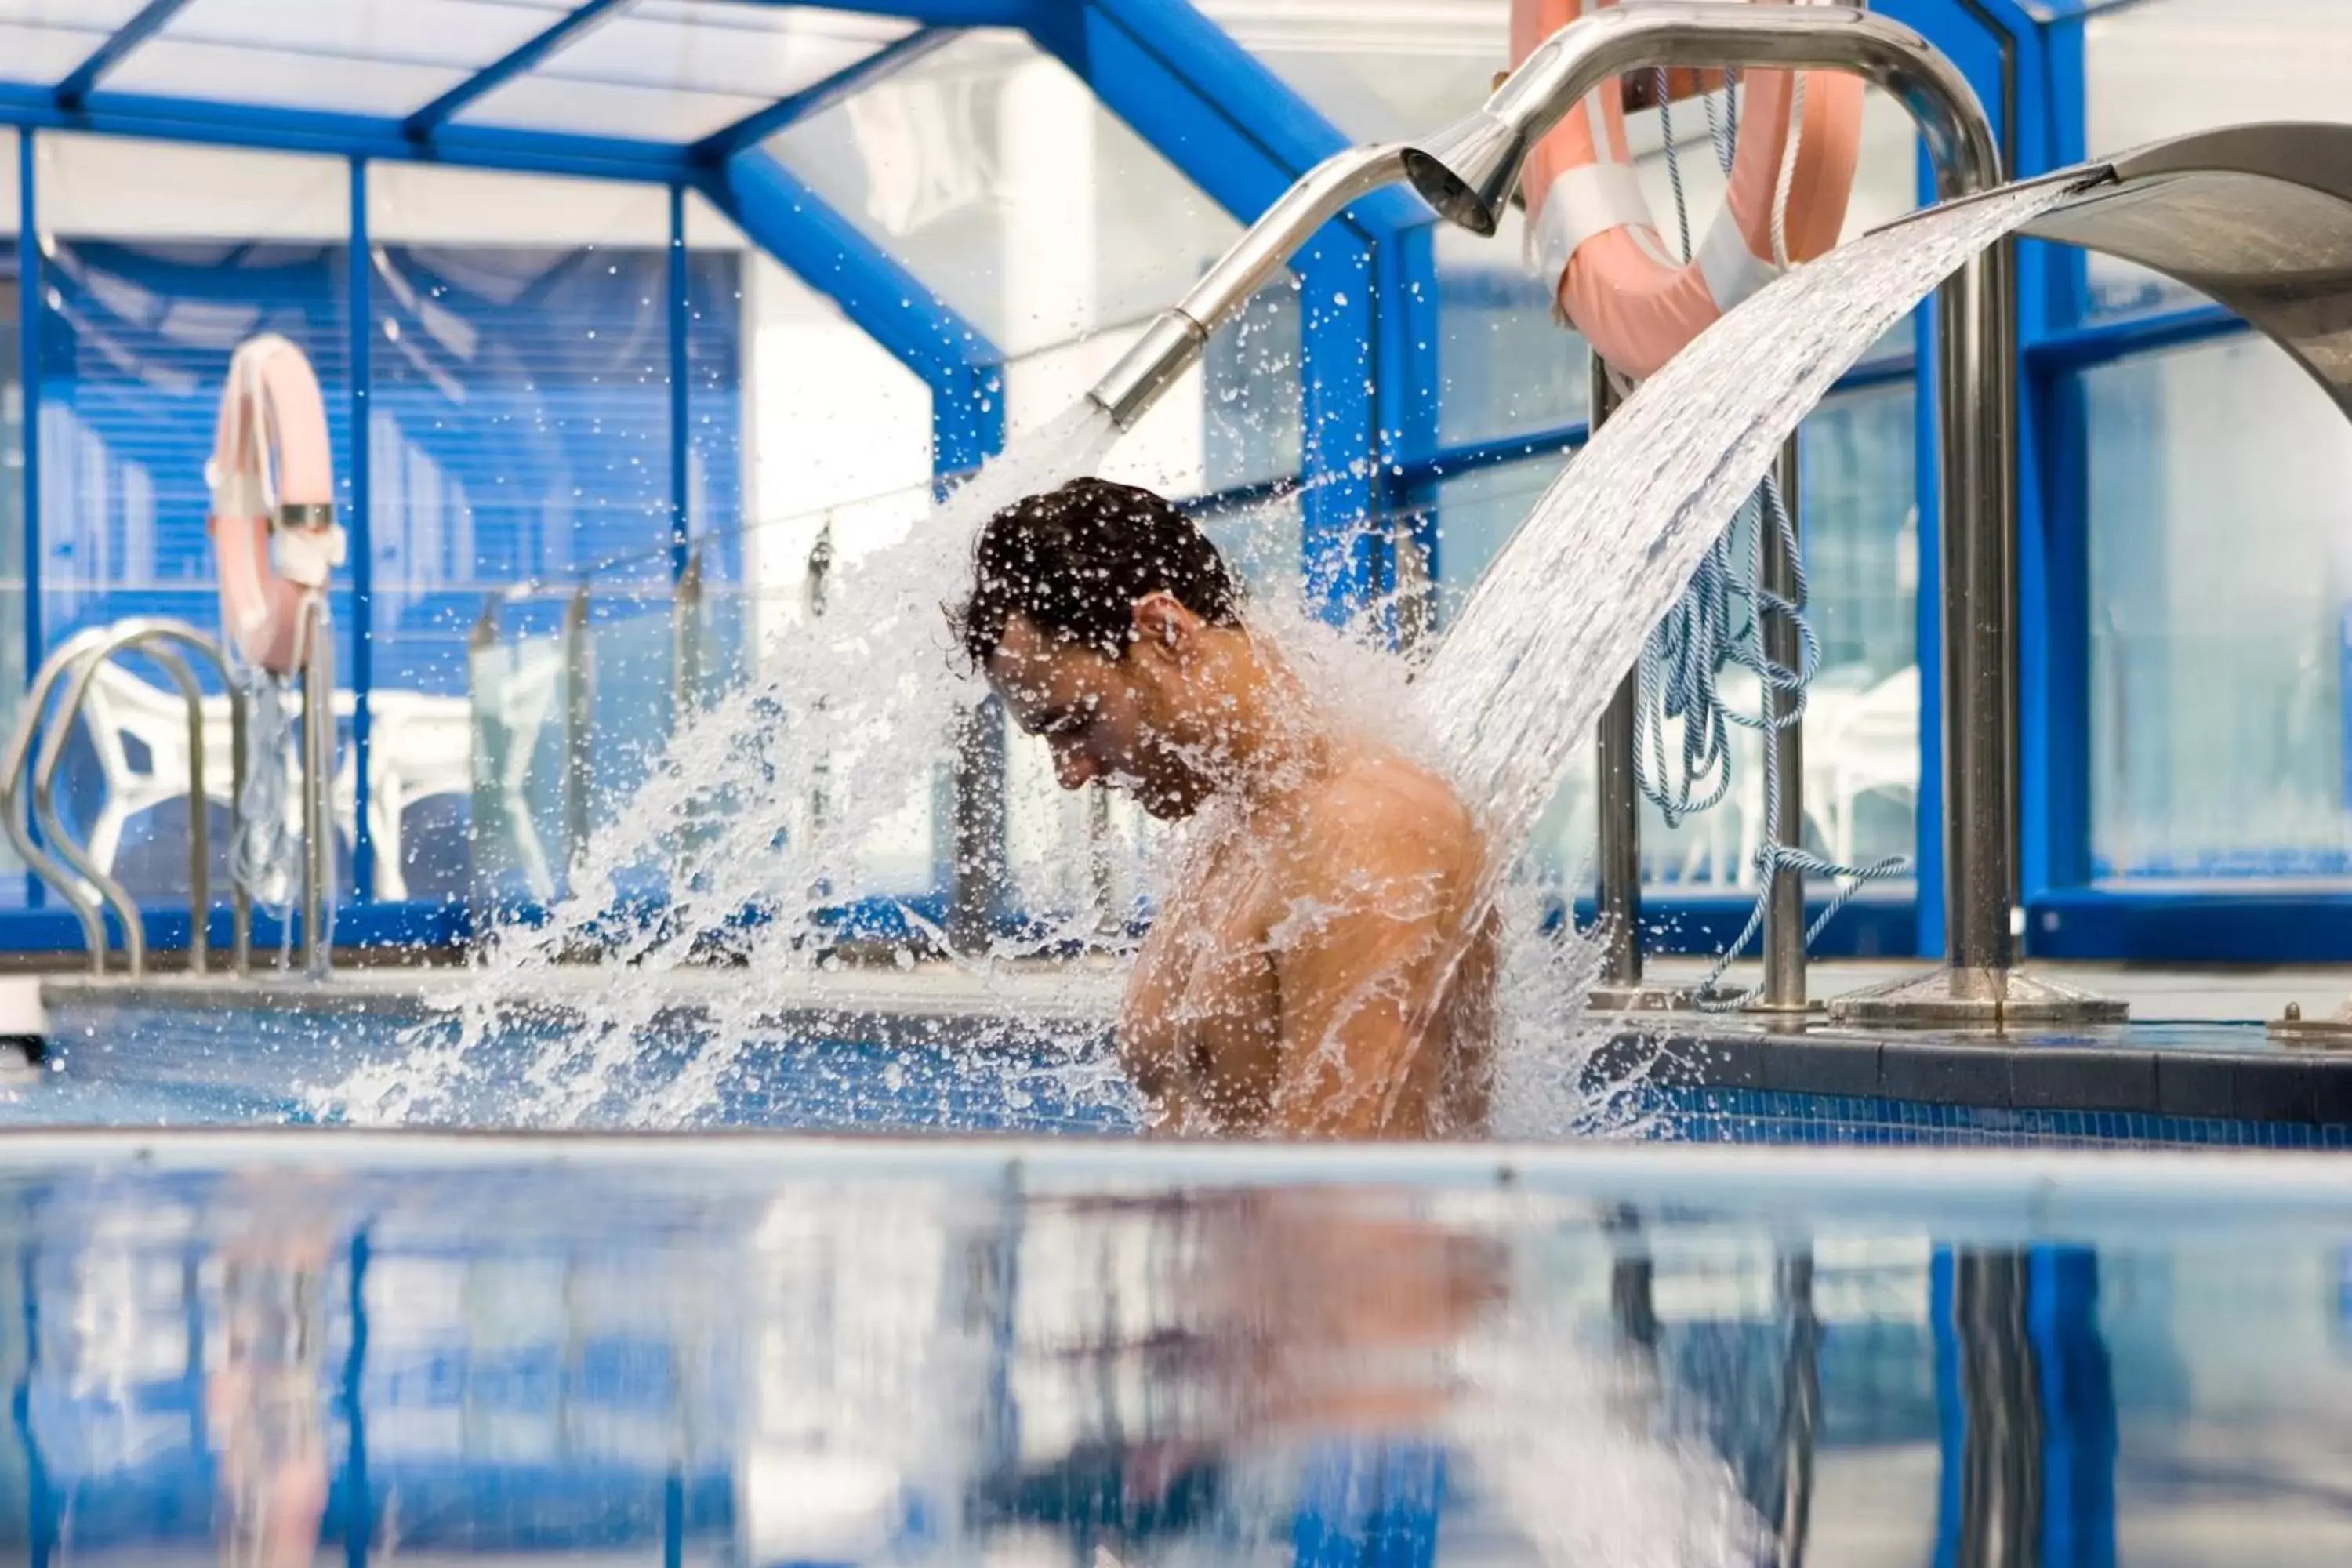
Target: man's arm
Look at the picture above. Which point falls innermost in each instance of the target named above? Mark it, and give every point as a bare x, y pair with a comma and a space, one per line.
1362, 954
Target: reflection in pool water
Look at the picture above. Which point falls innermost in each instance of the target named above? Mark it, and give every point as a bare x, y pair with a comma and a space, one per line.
745, 1352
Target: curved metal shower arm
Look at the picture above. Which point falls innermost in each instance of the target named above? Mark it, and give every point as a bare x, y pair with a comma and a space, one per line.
1469, 170
1176, 337
154, 636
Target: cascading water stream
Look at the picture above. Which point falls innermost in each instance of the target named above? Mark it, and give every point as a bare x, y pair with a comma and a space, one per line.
1516, 687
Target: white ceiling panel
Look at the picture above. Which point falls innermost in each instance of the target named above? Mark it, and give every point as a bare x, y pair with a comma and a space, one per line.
232, 74
44, 55
610, 109
466, 33
98, 16
762, 51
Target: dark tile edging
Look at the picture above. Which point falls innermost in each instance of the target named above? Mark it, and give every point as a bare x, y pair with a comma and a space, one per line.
2312, 1088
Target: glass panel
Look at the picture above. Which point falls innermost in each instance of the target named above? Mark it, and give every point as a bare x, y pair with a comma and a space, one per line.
2220, 617
153, 281
838, 466
990, 172
609, 109
1860, 527
278, 76
718, 475
521, 433
1862, 741
2252, 60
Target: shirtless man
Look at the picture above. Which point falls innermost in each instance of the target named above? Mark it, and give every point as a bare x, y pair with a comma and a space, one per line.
1311, 974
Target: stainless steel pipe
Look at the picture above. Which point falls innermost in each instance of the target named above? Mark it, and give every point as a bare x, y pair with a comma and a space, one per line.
1468, 174
1784, 908
1176, 338
317, 786
1617, 795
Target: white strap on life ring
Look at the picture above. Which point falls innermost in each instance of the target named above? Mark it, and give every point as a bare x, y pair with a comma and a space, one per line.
1591, 236
275, 539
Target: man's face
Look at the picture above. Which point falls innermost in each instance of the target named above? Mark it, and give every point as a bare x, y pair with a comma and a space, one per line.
1117, 722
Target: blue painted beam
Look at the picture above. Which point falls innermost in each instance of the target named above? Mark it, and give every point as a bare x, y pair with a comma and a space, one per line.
888, 303
343, 135
753, 129
576, 24
2104, 343
32, 292
150, 21
680, 525
360, 260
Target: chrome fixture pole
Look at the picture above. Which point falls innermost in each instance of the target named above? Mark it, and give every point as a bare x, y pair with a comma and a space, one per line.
1617, 801
317, 787
1784, 912
1468, 172
578, 724
686, 640
486, 822
1176, 337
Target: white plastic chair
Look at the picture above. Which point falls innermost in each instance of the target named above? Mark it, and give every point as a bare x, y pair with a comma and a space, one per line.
1874, 751
119, 708
420, 746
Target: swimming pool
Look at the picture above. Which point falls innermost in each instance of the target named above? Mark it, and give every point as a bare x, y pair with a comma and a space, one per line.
751, 1348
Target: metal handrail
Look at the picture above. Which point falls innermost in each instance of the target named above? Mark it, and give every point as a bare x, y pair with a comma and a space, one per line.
85, 655
20, 750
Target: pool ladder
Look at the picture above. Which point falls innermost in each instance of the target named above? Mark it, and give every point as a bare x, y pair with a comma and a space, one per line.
72, 871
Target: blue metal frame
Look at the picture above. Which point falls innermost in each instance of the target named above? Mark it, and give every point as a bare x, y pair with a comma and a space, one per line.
361, 532
680, 524
150, 19
30, 287
576, 24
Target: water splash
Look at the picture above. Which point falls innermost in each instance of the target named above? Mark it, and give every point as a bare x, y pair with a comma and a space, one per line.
854, 708
1511, 694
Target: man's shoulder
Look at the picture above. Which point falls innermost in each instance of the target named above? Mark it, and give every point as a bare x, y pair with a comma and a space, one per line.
1389, 805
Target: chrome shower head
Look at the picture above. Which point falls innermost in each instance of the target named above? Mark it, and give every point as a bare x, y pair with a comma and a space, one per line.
1468, 170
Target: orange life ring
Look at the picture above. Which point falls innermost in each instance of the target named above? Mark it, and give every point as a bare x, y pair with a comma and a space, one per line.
1591, 235
274, 538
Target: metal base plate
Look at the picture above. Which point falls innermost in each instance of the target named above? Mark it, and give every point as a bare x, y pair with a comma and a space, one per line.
2334, 1033
1640, 998
1975, 999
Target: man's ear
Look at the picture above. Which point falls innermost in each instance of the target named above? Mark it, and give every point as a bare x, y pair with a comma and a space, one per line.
1165, 630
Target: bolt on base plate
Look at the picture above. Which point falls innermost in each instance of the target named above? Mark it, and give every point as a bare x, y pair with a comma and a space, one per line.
1975, 999
2332, 1034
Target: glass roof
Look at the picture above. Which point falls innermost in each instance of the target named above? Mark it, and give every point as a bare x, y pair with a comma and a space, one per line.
658, 70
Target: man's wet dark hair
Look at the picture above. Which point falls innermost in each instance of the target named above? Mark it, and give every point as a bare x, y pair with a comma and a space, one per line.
1076, 560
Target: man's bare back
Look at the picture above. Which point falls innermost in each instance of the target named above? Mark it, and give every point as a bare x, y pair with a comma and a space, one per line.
1314, 972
